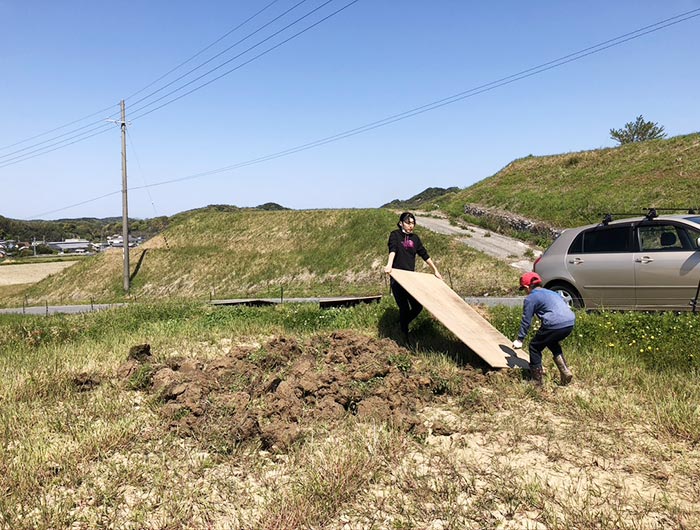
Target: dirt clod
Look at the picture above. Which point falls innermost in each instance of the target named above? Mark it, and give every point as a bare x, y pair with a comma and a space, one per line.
276, 393
140, 352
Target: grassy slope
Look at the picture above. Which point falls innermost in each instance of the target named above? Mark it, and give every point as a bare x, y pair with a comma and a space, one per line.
575, 188
256, 253
222, 252
617, 450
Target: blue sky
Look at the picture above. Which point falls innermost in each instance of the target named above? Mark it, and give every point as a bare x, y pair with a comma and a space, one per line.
62, 61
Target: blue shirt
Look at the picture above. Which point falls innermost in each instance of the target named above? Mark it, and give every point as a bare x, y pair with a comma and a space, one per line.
550, 308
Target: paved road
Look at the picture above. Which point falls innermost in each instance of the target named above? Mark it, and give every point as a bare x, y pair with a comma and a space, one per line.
502, 247
53, 309
73, 309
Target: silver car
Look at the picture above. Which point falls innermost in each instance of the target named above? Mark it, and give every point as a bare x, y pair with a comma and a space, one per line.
650, 262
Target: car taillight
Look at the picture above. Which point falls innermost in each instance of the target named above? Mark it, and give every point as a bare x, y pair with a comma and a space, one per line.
534, 265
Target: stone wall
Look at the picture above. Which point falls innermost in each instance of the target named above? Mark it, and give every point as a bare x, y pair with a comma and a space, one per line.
511, 221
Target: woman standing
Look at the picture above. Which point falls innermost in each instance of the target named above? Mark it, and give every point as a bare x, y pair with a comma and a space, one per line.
403, 247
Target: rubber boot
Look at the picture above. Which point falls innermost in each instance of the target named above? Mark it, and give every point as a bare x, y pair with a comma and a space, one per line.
566, 375
536, 376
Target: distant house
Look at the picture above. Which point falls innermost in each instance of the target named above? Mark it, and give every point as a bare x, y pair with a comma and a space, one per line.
118, 241
7, 247
71, 246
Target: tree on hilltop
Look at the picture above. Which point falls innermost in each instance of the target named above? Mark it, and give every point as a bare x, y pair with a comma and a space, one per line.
638, 131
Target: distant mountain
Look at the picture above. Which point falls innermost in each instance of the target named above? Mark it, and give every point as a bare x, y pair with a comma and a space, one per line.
271, 206
418, 201
89, 228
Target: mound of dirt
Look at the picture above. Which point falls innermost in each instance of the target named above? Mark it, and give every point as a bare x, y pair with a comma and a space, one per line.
276, 393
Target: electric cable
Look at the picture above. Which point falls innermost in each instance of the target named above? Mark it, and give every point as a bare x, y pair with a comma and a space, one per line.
100, 129
9, 159
566, 59
129, 137
301, 32
453, 98
200, 52
228, 49
55, 129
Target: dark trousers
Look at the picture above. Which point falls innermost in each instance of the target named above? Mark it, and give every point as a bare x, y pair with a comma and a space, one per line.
409, 307
547, 338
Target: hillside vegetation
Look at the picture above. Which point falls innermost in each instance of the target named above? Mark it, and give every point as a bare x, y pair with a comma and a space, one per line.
577, 188
246, 253
88, 228
421, 201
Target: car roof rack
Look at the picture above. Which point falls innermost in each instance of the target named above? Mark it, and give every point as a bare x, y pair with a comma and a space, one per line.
652, 213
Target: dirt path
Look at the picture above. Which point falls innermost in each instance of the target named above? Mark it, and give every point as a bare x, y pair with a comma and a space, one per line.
514, 251
30, 272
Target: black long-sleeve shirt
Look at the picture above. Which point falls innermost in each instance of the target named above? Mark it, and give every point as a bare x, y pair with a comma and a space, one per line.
406, 246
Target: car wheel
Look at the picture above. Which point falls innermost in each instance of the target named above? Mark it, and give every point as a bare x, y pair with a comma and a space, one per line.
568, 293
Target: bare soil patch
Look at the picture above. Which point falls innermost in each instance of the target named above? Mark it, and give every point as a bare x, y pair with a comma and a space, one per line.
30, 272
479, 452
276, 393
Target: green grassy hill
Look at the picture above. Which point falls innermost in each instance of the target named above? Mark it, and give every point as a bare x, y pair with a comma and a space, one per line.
246, 253
576, 188
229, 252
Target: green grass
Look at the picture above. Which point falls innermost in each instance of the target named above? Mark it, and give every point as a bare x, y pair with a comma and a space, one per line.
245, 253
105, 457
572, 189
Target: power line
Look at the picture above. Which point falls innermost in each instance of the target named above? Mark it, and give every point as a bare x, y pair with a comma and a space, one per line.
455, 97
226, 50
100, 129
101, 112
566, 59
54, 130
200, 52
301, 32
34, 150
81, 203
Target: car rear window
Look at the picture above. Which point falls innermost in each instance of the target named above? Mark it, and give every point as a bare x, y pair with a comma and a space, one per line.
602, 239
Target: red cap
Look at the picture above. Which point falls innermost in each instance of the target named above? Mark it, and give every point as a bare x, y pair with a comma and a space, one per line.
530, 279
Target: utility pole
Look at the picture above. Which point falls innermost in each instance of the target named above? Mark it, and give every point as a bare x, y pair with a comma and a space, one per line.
125, 203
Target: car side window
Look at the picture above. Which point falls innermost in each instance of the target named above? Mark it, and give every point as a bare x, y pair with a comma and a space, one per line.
663, 238
691, 238
602, 240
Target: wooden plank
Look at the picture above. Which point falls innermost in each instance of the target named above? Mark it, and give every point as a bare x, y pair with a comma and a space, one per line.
461, 319
348, 301
255, 302
337, 301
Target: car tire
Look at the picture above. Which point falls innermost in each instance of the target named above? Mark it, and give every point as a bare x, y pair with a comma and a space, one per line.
568, 293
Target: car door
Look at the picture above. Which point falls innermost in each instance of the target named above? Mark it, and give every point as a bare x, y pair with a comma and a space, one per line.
601, 262
667, 266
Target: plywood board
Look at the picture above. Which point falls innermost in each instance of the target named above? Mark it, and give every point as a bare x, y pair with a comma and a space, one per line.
461, 319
